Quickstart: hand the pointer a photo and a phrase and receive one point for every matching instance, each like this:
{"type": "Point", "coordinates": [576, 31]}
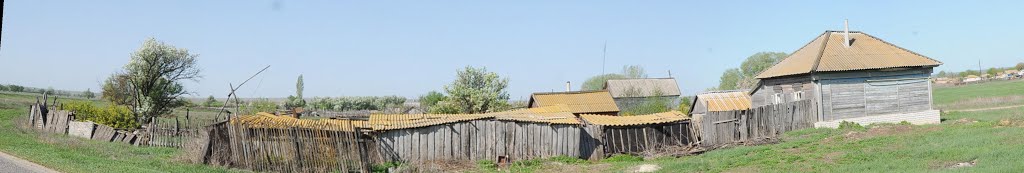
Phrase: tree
{"type": "Point", "coordinates": [729, 79]}
{"type": "Point", "coordinates": [50, 90]}
{"type": "Point", "coordinates": [597, 82]}
{"type": "Point", "coordinates": [1019, 66]}
{"type": "Point", "coordinates": [4, 88]}
{"type": "Point", "coordinates": [154, 75]}
{"type": "Point", "coordinates": [430, 99]}
{"type": "Point", "coordinates": [116, 89]}
{"type": "Point", "coordinates": [88, 94]}
{"type": "Point", "coordinates": [684, 104]}
{"type": "Point", "coordinates": [211, 102]}
{"type": "Point", "coordinates": [628, 72]}
{"type": "Point", "coordinates": [296, 101]}
{"type": "Point", "coordinates": [475, 90]}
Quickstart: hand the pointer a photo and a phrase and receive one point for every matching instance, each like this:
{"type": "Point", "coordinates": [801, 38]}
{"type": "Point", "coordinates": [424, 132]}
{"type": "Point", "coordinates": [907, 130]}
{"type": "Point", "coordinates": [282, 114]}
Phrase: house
{"type": "Point", "coordinates": [971, 78]}
{"type": "Point", "coordinates": [852, 76]}
{"type": "Point", "coordinates": [577, 102]}
{"type": "Point", "coordinates": [629, 92]}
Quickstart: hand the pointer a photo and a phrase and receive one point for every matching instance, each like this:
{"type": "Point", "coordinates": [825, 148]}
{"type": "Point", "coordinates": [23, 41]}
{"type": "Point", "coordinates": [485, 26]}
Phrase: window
{"type": "Point", "coordinates": [799, 95]}
{"type": "Point", "coordinates": [777, 98]}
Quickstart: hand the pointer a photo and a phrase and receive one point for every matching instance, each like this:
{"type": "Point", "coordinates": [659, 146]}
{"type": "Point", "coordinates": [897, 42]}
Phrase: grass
{"type": "Point", "coordinates": [70, 154]}
{"type": "Point", "coordinates": [989, 94]}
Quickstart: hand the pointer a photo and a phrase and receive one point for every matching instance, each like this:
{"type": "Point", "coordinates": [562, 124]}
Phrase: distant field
{"type": "Point", "coordinates": [991, 94]}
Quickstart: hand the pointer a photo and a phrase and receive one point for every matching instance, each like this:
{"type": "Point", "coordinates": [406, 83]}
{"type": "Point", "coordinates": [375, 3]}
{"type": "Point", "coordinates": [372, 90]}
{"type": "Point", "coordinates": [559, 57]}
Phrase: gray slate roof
{"type": "Point", "coordinates": [646, 87]}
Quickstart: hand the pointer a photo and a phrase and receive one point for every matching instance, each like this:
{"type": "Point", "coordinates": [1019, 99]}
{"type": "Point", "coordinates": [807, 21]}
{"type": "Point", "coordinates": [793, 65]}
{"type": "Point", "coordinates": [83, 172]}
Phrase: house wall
{"type": "Point", "coordinates": [875, 92]}
{"type": "Point", "coordinates": [785, 87]}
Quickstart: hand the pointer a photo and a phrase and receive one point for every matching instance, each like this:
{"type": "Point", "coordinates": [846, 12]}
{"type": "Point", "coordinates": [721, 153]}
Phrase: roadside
{"type": "Point", "coordinates": [11, 164]}
{"type": "Point", "coordinates": [986, 109]}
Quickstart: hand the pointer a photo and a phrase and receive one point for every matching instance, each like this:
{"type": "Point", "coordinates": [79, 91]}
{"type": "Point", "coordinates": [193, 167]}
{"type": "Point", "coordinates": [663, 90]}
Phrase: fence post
{"type": "Point", "coordinates": [298, 155]}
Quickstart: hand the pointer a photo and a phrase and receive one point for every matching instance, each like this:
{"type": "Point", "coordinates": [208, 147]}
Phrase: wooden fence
{"type": "Point", "coordinates": [645, 139]}
{"type": "Point", "coordinates": [267, 143]}
{"type": "Point", "coordinates": [484, 139]}
{"type": "Point", "coordinates": [176, 132]}
{"type": "Point", "coordinates": [724, 127]}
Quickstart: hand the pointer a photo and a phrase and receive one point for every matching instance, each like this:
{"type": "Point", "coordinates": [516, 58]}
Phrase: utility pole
{"type": "Point", "coordinates": [604, 56]}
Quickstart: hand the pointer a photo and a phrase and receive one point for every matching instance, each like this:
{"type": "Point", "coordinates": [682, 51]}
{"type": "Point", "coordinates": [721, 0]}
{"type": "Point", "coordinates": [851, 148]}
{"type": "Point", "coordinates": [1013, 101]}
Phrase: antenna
{"type": "Point", "coordinates": [604, 56]}
{"type": "Point", "coordinates": [846, 31]}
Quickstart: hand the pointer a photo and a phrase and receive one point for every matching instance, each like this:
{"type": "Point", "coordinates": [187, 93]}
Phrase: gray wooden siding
{"type": "Point", "coordinates": [482, 140]}
{"type": "Point", "coordinates": [785, 86]}
{"type": "Point", "coordinates": [874, 93]}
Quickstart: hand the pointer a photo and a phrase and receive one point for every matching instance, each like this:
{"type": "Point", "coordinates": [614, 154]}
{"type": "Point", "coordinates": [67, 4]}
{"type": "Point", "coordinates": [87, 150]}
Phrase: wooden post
{"type": "Point", "coordinates": [298, 154]}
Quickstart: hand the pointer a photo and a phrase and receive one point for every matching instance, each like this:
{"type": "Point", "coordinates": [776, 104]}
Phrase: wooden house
{"type": "Point", "coordinates": [630, 92]}
{"type": "Point", "coordinates": [577, 102]}
{"type": "Point", "coordinates": [852, 76]}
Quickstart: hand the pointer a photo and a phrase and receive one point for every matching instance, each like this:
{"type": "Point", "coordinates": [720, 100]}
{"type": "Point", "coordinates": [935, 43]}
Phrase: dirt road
{"type": "Point", "coordinates": [11, 164]}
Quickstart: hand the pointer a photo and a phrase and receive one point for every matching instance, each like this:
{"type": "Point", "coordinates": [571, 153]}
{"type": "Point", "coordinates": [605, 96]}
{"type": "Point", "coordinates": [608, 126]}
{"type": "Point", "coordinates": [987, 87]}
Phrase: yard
{"type": "Point", "coordinates": [975, 141]}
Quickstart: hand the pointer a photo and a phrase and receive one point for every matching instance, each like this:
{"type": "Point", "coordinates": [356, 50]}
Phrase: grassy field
{"type": "Point", "coordinates": [991, 139]}
{"type": "Point", "coordinates": [70, 154]}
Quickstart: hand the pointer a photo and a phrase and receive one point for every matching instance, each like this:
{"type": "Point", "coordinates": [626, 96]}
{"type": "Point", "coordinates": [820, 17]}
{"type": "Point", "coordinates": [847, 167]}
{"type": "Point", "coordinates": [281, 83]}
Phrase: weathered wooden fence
{"type": "Point", "coordinates": [176, 132]}
{"type": "Point", "coordinates": [724, 127]}
{"type": "Point", "coordinates": [268, 143]}
{"type": "Point", "coordinates": [647, 138]}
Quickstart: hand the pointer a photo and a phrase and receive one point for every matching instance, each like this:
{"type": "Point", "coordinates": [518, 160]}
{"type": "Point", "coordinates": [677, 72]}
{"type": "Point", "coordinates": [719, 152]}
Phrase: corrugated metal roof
{"type": "Point", "coordinates": [403, 121]}
{"type": "Point", "coordinates": [725, 101]}
{"type": "Point", "coordinates": [646, 87]}
{"type": "Point", "coordinates": [550, 114]}
{"type": "Point", "coordinates": [656, 118]}
{"type": "Point", "coordinates": [266, 120]}
{"type": "Point", "coordinates": [577, 101]}
{"type": "Point", "coordinates": [828, 52]}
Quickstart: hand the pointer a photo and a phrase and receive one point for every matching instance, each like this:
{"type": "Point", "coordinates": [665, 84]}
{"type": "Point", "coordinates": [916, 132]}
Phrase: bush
{"type": "Point", "coordinates": [567, 160]}
{"type": "Point", "coordinates": [846, 125]}
{"type": "Point", "coordinates": [259, 105]}
{"type": "Point", "coordinates": [113, 115]}
{"type": "Point", "coordinates": [383, 167]}
{"type": "Point", "coordinates": [624, 158]}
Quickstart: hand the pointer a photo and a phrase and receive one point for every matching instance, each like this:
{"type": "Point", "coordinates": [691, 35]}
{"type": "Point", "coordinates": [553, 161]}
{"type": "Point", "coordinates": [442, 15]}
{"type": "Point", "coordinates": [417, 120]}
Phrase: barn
{"type": "Point", "coordinates": [629, 92]}
{"type": "Point", "coordinates": [577, 102]}
{"type": "Point", "coordinates": [852, 76]}
{"type": "Point", "coordinates": [640, 134]}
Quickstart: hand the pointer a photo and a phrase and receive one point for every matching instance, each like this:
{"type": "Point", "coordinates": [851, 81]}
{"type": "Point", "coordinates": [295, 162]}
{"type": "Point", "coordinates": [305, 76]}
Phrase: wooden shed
{"type": "Point", "coordinates": [577, 102]}
{"type": "Point", "coordinates": [542, 133]}
{"type": "Point", "coordinates": [426, 137]}
{"type": "Point", "coordinates": [630, 92]}
{"type": "Point", "coordinates": [852, 76]}
{"type": "Point", "coordinates": [640, 134]}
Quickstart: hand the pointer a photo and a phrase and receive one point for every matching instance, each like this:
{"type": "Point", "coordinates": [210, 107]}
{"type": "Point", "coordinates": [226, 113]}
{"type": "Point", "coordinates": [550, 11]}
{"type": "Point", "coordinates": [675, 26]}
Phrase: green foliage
{"type": "Point", "coordinates": [567, 160]}
{"type": "Point", "coordinates": [1019, 66]}
{"type": "Point", "coordinates": [259, 105]}
{"type": "Point", "coordinates": [475, 90]}
{"type": "Point", "coordinates": [88, 94]}
{"type": "Point", "coordinates": [430, 99]}
{"type": "Point", "coordinates": [151, 81]}
{"type": "Point", "coordinates": [4, 88]}
{"type": "Point", "coordinates": [623, 158]}
{"type": "Point", "coordinates": [597, 82]}
{"type": "Point", "coordinates": [846, 125]}
{"type": "Point", "coordinates": [383, 167]}
{"type": "Point", "coordinates": [628, 72]}
{"type": "Point", "coordinates": [116, 89]}
{"type": "Point", "coordinates": [744, 77]}
{"type": "Point", "coordinates": [296, 101]}
{"type": "Point", "coordinates": [212, 102]}
{"type": "Point", "coordinates": [905, 123]}
{"type": "Point", "coordinates": [15, 88]}
{"type": "Point", "coordinates": [684, 104]}
{"type": "Point", "coordinates": [357, 103]}
{"type": "Point", "coordinates": [113, 115]}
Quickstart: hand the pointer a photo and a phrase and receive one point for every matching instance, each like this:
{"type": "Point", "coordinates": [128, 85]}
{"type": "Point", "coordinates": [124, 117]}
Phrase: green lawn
{"type": "Point", "coordinates": [990, 94]}
{"type": "Point", "coordinates": [70, 154]}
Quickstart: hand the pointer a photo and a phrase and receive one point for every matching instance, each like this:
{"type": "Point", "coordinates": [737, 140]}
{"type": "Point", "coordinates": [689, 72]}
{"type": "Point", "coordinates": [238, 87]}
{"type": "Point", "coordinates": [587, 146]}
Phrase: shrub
{"type": "Point", "coordinates": [383, 167]}
{"type": "Point", "coordinates": [113, 115]}
{"type": "Point", "coordinates": [904, 123]}
{"type": "Point", "coordinates": [567, 160]}
{"type": "Point", "coordinates": [846, 125]}
{"type": "Point", "coordinates": [259, 105]}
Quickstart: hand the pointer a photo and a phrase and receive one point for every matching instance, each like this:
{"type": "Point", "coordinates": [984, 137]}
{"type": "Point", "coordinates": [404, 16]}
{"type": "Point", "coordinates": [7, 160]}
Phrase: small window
{"type": "Point", "coordinates": [777, 99]}
{"type": "Point", "coordinates": [799, 95]}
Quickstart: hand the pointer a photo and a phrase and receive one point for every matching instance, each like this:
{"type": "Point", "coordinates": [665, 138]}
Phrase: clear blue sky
{"type": "Point", "coordinates": [408, 48]}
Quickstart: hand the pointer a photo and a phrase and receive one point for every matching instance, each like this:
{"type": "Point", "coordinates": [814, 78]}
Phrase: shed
{"type": "Point", "coordinates": [713, 101]}
{"type": "Point", "coordinates": [852, 76]}
{"type": "Point", "coordinates": [640, 134]}
{"type": "Point", "coordinates": [419, 138]}
{"type": "Point", "coordinates": [542, 133]}
{"type": "Point", "coordinates": [577, 102]}
{"type": "Point", "coordinates": [629, 92]}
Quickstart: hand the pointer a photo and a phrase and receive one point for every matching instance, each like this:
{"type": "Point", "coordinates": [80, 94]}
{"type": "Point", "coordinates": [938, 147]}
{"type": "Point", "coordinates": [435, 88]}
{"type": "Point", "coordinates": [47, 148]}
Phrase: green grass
{"type": "Point", "coordinates": [990, 94]}
{"type": "Point", "coordinates": [71, 154]}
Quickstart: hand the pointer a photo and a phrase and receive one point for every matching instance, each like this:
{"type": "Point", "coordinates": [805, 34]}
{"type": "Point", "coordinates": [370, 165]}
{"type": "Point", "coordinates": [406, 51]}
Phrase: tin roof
{"type": "Point", "coordinates": [550, 114]}
{"type": "Point", "coordinates": [656, 118]}
{"type": "Point", "coordinates": [403, 121]}
{"type": "Point", "coordinates": [644, 87]}
{"type": "Point", "coordinates": [828, 52]}
{"type": "Point", "coordinates": [576, 101]}
{"type": "Point", "coordinates": [724, 101]}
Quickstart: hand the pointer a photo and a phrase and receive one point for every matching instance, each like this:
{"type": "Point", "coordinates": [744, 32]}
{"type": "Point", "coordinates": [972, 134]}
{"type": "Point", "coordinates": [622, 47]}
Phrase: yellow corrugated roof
{"type": "Point", "coordinates": [828, 52]}
{"type": "Point", "coordinates": [549, 114]}
{"type": "Point", "coordinates": [266, 120]}
{"type": "Point", "coordinates": [402, 121]}
{"type": "Point", "coordinates": [576, 102]}
{"type": "Point", "coordinates": [725, 101]}
{"type": "Point", "coordinates": [656, 118]}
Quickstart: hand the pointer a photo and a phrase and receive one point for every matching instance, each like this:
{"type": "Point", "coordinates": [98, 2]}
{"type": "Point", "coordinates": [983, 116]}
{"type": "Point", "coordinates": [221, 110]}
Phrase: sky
{"type": "Point", "coordinates": [408, 48]}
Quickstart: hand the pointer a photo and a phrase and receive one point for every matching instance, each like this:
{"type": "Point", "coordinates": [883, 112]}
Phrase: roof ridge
{"type": "Point", "coordinates": [821, 51]}
{"type": "Point", "coordinates": [643, 78]}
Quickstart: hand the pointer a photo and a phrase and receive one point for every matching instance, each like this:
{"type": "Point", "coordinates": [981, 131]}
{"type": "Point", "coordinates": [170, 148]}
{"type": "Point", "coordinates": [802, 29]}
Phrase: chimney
{"type": "Point", "coordinates": [568, 87]}
{"type": "Point", "coordinates": [846, 32]}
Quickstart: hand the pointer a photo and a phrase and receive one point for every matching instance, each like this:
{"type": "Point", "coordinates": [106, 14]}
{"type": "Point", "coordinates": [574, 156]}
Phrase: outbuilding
{"type": "Point", "coordinates": [631, 92]}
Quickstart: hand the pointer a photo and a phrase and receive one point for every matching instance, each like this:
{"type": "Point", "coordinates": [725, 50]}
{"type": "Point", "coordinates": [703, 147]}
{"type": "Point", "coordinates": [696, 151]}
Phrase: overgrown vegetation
{"type": "Point", "coordinates": [744, 76]}
{"type": "Point", "coordinates": [151, 83]}
{"type": "Point", "coordinates": [628, 72]}
{"type": "Point", "coordinates": [259, 105]}
{"type": "Point", "coordinates": [475, 90]}
{"type": "Point", "coordinates": [357, 103]}
{"type": "Point", "coordinates": [295, 101]}
{"type": "Point", "coordinates": [115, 116]}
